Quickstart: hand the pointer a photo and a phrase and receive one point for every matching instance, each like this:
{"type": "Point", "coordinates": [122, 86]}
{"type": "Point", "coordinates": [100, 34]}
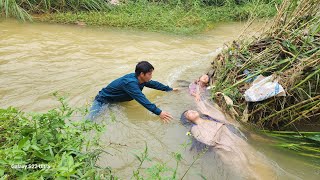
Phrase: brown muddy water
{"type": "Point", "coordinates": [39, 59]}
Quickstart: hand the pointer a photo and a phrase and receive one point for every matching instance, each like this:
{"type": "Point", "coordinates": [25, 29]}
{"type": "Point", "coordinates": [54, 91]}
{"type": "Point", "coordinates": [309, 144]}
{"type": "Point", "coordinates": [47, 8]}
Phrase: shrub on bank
{"type": "Point", "coordinates": [49, 146]}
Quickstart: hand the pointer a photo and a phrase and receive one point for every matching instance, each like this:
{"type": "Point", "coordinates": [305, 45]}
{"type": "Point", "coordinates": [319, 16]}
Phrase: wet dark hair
{"type": "Point", "coordinates": [200, 146]}
{"type": "Point", "coordinates": [197, 145]}
{"type": "Point", "coordinates": [184, 121]}
{"type": "Point", "coordinates": [209, 79]}
{"type": "Point", "coordinates": [143, 67]}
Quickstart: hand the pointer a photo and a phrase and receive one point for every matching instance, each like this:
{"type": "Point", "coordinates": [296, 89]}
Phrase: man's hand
{"type": "Point", "coordinates": [166, 117]}
{"type": "Point", "coordinates": [175, 89]}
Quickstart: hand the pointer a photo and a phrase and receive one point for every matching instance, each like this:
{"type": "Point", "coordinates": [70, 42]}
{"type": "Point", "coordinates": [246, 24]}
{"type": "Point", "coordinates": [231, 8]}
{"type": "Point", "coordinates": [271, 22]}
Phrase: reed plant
{"type": "Point", "coordinates": [304, 143]}
{"type": "Point", "coordinates": [289, 50]}
{"type": "Point", "coordinates": [22, 9]}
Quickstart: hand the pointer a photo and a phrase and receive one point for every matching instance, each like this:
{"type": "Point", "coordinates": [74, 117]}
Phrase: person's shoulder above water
{"type": "Point", "coordinates": [131, 77]}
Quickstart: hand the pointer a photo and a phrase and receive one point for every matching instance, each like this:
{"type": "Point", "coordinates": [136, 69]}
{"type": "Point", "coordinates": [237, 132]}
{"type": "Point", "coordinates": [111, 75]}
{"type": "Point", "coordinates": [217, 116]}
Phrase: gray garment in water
{"type": "Point", "coordinates": [200, 146]}
{"type": "Point", "coordinates": [231, 127]}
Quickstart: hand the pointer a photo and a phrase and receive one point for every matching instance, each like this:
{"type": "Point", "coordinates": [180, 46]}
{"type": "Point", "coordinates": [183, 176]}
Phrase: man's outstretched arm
{"type": "Point", "coordinates": [157, 85]}
{"type": "Point", "coordinates": [134, 91]}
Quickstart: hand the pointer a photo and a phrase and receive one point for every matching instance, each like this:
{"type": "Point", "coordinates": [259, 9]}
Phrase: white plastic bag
{"type": "Point", "coordinates": [263, 88]}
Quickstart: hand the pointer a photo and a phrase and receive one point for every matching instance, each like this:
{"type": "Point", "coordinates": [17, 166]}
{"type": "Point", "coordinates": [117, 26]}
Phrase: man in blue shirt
{"type": "Point", "coordinates": [129, 87]}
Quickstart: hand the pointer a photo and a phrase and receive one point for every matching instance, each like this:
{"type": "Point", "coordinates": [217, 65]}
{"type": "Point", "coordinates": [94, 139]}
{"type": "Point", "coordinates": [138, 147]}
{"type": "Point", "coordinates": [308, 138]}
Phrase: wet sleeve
{"type": "Point", "coordinates": [192, 88]}
{"type": "Point", "coordinates": [133, 90]}
{"type": "Point", "coordinates": [157, 85]}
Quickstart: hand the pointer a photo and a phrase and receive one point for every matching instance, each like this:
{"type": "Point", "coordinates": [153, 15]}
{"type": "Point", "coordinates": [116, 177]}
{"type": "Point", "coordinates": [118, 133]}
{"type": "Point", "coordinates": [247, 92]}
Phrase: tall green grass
{"type": "Point", "coordinates": [22, 9]}
{"type": "Point", "coordinates": [304, 143]}
{"type": "Point", "coordinates": [178, 16]}
{"type": "Point", "coordinates": [165, 17]}
{"type": "Point", "coordinates": [11, 8]}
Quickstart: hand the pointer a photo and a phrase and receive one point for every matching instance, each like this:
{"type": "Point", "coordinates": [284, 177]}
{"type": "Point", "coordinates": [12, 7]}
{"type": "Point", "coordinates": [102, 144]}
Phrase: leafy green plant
{"type": "Point", "coordinates": [49, 145]}
{"type": "Point", "coordinates": [141, 158]}
{"type": "Point", "coordinates": [161, 170]}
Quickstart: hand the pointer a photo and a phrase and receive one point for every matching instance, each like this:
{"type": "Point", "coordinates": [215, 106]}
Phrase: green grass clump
{"type": "Point", "coordinates": [164, 17]}
{"type": "Point", "coordinates": [183, 17]}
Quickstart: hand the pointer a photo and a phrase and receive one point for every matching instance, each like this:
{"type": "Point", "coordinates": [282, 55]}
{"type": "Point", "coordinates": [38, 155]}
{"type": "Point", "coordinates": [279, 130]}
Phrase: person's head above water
{"type": "Point", "coordinates": [144, 71]}
{"type": "Point", "coordinates": [204, 80]}
{"type": "Point", "coordinates": [189, 117]}
{"type": "Point", "coordinates": [193, 117]}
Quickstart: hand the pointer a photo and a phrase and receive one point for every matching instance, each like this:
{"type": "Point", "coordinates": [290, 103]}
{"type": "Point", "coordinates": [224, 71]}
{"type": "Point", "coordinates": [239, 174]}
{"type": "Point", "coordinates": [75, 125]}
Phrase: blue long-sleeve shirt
{"type": "Point", "coordinates": [127, 88]}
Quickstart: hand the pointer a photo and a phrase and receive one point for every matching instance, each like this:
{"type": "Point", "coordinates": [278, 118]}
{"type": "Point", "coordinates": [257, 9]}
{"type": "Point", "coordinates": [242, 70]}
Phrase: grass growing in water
{"type": "Point", "coordinates": [306, 144]}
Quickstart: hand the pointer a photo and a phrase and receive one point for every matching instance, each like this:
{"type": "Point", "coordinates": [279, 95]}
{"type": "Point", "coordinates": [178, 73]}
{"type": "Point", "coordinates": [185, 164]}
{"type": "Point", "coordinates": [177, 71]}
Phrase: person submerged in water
{"type": "Point", "coordinates": [199, 86]}
{"type": "Point", "coordinates": [199, 90]}
{"type": "Point", "coordinates": [130, 87]}
{"type": "Point", "coordinates": [228, 143]}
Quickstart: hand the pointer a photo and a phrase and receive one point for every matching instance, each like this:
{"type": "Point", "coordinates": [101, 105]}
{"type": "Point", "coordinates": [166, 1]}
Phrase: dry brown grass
{"type": "Point", "coordinates": [290, 50]}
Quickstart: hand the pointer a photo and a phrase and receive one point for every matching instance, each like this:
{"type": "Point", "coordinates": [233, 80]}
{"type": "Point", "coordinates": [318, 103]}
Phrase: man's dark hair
{"type": "Point", "coordinates": [143, 67]}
